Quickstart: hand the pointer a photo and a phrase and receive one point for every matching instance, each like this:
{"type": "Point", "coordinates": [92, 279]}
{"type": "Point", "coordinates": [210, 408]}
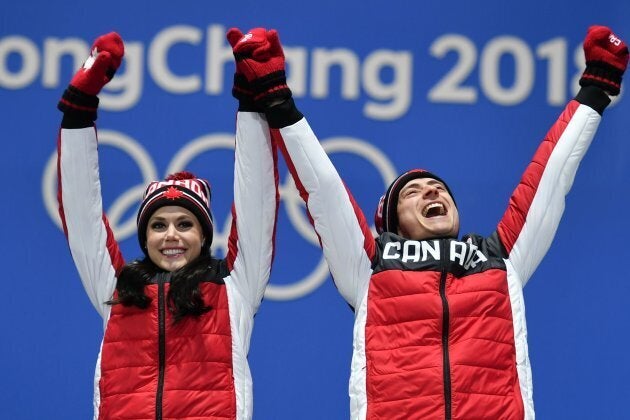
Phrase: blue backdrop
{"type": "Point", "coordinates": [465, 89]}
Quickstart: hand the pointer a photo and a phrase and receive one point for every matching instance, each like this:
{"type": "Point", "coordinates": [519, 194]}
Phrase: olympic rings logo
{"type": "Point", "coordinates": [289, 195]}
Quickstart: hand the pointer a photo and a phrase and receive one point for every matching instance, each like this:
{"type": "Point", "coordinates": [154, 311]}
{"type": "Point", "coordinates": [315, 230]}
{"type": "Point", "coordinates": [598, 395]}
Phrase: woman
{"type": "Point", "coordinates": [177, 322]}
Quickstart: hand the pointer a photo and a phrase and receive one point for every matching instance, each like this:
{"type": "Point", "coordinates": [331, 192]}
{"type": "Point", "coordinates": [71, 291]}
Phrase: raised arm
{"type": "Point", "coordinates": [256, 198]}
{"type": "Point", "coordinates": [345, 237]}
{"type": "Point", "coordinates": [92, 244]}
{"type": "Point", "coordinates": [536, 206]}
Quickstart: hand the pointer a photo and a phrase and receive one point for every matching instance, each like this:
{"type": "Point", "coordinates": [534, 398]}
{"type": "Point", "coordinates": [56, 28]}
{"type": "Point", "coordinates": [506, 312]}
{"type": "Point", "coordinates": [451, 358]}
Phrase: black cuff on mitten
{"type": "Point", "coordinates": [283, 115]}
{"type": "Point", "coordinates": [594, 97]}
{"type": "Point", "coordinates": [603, 75]}
{"type": "Point", "coordinates": [242, 91]}
{"type": "Point", "coordinates": [271, 88]}
{"type": "Point", "coordinates": [78, 105]}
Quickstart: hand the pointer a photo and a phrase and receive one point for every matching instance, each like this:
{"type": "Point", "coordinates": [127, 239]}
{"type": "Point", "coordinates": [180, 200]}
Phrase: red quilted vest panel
{"type": "Point", "coordinates": [198, 379]}
{"type": "Point", "coordinates": [404, 337]}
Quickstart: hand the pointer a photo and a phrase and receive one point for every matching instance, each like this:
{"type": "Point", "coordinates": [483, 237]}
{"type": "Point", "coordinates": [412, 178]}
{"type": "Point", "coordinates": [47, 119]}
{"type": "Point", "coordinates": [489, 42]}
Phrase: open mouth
{"type": "Point", "coordinates": [172, 251]}
{"type": "Point", "coordinates": [434, 210]}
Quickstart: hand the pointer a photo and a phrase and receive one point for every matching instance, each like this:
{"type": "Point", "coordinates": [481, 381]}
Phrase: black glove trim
{"type": "Point", "coordinates": [278, 93]}
{"type": "Point", "coordinates": [614, 71]}
{"type": "Point", "coordinates": [594, 97]}
{"type": "Point", "coordinates": [283, 115]}
{"type": "Point", "coordinates": [269, 82]}
{"type": "Point", "coordinates": [81, 104]}
{"type": "Point", "coordinates": [270, 88]}
{"type": "Point", "coordinates": [603, 75]}
{"type": "Point", "coordinates": [243, 92]}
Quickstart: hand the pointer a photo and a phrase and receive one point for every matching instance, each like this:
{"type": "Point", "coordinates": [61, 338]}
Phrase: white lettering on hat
{"type": "Point", "coordinates": [190, 184]}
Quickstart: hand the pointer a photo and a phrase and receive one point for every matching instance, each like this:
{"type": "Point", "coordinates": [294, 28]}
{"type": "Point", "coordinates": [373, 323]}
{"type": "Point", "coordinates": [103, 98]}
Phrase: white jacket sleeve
{"type": "Point", "coordinates": [94, 249]}
{"type": "Point", "coordinates": [346, 239]}
{"type": "Point", "coordinates": [537, 204]}
{"type": "Point", "coordinates": [251, 240]}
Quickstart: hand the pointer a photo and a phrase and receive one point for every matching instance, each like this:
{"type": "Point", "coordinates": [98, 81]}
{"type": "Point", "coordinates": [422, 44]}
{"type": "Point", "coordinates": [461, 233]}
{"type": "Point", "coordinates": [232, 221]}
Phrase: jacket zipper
{"type": "Point", "coordinates": [445, 332]}
{"type": "Point", "coordinates": [161, 279]}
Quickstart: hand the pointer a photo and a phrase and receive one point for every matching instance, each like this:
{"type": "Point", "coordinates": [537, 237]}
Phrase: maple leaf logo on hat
{"type": "Point", "coordinates": [173, 193]}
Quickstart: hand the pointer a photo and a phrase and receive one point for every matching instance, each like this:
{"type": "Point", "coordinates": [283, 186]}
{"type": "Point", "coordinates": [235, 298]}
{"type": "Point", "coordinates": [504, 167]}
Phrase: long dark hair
{"type": "Point", "coordinates": [184, 295]}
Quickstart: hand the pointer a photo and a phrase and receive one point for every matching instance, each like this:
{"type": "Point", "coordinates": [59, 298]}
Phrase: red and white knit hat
{"type": "Point", "coordinates": [180, 189]}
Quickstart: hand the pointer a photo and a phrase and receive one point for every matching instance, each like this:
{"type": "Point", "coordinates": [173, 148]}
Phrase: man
{"type": "Point", "coordinates": [440, 326]}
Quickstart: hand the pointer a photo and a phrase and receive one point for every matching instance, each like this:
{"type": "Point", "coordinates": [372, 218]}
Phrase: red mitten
{"type": "Point", "coordinates": [244, 45]}
{"type": "Point", "coordinates": [606, 59]}
{"type": "Point", "coordinates": [105, 58]}
{"type": "Point", "coordinates": [260, 59]}
{"type": "Point", "coordinates": [241, 88]}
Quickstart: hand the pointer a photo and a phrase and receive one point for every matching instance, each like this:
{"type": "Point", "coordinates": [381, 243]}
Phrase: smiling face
{"type": "Point", "coordinates": [426, 210]}
{"type": "Point", "coordinates": [174, 237]}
